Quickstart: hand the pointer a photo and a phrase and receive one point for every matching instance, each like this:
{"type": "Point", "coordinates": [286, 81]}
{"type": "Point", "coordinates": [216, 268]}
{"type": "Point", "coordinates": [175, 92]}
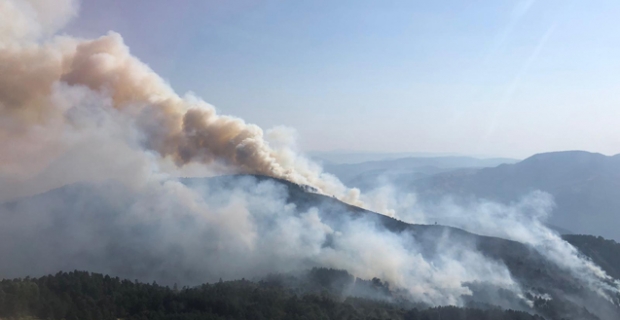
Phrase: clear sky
{"type": "Point", "coordinates": [502, 78]}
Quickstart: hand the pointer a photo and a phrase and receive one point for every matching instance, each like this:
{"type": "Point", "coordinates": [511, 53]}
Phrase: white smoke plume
{"type": "Point", "coordinates": [522, 221]}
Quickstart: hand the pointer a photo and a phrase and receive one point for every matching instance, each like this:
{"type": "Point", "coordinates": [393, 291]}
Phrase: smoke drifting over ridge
{"type": "Point", "coordinates": [74, 110]}
{"type": "Point", "coordinates": [38, 70]}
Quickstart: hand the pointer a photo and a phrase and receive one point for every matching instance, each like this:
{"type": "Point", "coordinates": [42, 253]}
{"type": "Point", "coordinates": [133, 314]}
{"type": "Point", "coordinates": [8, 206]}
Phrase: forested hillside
{"type": "Point", "coordinates": [85, 296]}
{"type": "Point", "coordinates": [603, 252]}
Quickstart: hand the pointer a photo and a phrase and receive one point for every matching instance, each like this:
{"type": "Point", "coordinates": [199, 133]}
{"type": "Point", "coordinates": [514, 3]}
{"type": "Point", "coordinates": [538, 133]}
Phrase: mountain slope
{"type": "Point", "coordinates": [605, 253]}
{"type": "Point", "coordinates": [120, 246]}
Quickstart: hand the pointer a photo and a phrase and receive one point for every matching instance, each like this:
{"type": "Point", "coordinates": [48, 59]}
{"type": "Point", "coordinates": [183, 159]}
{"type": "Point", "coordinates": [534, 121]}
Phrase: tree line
{"type": "Point", "coordinates": [85, 296]}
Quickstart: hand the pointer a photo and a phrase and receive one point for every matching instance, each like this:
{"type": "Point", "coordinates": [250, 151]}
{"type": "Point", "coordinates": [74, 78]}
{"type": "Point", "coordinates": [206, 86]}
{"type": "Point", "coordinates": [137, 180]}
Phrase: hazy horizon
{"type": "Point", "coordinates": [434, 154]}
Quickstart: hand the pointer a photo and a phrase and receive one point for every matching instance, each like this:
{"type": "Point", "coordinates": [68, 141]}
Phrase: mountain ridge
{"type": "Point", "coordinates": [70, 205]}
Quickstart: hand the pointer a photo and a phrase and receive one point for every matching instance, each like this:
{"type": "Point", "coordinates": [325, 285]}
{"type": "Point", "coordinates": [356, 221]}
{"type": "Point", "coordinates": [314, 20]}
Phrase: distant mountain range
{"type": "Point", "coordinates": [366, 175]}
{"type": "Point", "coordinates": [585, 187]}
{"type": "Point", "coordinates": [352, 157]}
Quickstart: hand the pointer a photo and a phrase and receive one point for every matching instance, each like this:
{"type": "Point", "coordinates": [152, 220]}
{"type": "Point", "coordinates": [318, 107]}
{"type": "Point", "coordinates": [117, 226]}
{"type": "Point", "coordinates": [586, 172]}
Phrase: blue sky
{"type": "Point", "coordinates": [503, 78]}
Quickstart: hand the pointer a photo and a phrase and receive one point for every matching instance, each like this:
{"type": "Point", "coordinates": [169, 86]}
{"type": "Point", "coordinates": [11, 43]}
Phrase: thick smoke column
{"type": "Point", "coordinates": [187, 129]}
{"type": "Point", "coordinates": [183, 129]}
